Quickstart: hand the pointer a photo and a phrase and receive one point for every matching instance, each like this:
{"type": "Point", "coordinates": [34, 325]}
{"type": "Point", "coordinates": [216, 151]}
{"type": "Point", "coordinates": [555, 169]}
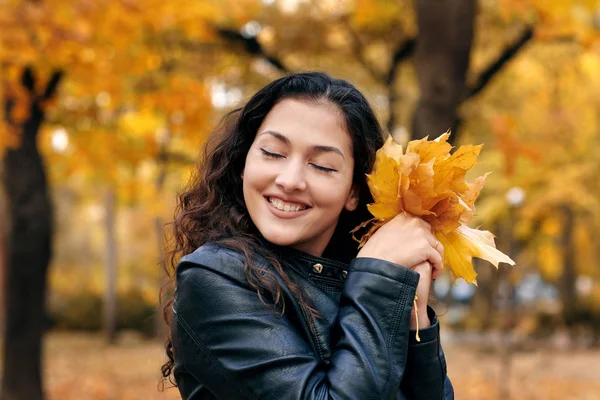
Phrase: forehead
{"type": "Point", "coordinates": [319, 123]}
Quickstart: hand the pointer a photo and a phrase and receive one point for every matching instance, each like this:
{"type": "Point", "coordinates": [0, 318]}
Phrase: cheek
{"type": "Point", "coordinates": [256, 175]}
{"type": "Point", "coordinates": [331, 195]}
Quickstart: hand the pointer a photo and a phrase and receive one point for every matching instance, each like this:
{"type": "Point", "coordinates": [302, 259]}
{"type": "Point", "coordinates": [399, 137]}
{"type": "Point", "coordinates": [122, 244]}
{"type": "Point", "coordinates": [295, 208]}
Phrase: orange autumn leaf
{"type": "Point", "coordinates": [428, 182]}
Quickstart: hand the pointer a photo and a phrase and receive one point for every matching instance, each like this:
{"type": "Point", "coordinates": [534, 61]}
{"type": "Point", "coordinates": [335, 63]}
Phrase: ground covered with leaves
{"type": "Point", "coordinates": [82, 367]}
{"type": "Point", "coordinates": [543, 374]}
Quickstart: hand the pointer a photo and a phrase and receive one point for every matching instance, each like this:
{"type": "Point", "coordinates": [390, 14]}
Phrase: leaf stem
{"type": "Point", "coordinates": [417, 316]}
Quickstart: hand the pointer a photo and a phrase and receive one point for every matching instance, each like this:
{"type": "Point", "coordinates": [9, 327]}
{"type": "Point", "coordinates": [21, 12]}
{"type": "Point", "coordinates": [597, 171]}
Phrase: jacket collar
{"type": "Point", "coordinates": [310, 265]}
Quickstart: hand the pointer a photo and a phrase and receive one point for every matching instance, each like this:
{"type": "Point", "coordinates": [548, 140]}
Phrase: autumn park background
{"type": "Point", "coordinates": [106, 102]}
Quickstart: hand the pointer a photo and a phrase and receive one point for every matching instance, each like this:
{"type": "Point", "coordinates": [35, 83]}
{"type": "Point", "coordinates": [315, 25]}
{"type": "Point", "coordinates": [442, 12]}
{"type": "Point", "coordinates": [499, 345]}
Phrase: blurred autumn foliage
{"type": "Point", "coordinates": [110, 101]}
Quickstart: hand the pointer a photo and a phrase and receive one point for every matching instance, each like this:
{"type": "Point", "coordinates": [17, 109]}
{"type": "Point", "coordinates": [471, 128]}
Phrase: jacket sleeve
{"type": "Point", "coordinates": [426, 376]}
{"type": "Point", "coordinates": [234, 347]}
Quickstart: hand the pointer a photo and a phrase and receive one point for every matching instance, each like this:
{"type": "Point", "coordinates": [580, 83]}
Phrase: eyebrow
{"type": "Point", "coordinates": [318, 148]}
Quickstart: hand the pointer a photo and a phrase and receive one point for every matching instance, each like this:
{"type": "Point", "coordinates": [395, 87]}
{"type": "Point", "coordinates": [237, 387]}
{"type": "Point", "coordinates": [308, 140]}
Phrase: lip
{"type": "Point", "coordinates": [284, 214]}
{"type": "Point", "coordinates": [287, 199]}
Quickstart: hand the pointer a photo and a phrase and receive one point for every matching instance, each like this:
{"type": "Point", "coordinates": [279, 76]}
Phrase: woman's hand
{"type": "Point", "coordinates": [408, 241]}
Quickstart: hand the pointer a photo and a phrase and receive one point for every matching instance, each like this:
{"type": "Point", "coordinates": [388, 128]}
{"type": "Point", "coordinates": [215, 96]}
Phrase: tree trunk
{"type": "Point", "coordinates": [4, 226]}
{"type": "Point", "coordinates": [568, 294]}
{"type": "Point", "coordinates": [160, 327]}
{"type": "Point", "coordinates": [29, 250]}
{"type": "Point", "coordinates": [442, 61]}
{"type": "Point", "coordinates": [509, 306]}
{"type": "Point", "coordinates": [484, 301]}
{"type": "Point", "coordinates": [159, 322]}
{"type": "Point", "coordinates": [110, 290]}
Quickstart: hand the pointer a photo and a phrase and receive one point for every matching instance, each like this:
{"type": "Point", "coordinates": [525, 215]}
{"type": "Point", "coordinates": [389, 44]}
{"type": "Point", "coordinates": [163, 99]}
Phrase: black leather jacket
{"type": "Point", "coordinates": [228, 345]}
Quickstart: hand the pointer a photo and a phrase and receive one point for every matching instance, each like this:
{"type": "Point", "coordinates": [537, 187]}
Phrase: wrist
{"type": "Point", "coordinates": [423, 318]}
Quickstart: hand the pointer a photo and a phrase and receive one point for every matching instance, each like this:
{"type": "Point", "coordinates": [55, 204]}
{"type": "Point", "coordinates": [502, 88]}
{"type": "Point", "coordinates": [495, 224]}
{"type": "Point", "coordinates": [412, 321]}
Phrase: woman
{"type": "Point", "coordinates": [274, 300]}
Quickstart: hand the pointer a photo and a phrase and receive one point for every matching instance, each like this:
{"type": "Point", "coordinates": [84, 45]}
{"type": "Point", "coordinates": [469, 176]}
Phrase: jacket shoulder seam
{"type": "Point", "coordinates": [211, 250]}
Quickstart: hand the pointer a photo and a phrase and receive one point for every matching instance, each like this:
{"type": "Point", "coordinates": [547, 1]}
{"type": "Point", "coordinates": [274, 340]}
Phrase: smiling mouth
{"type": "Point", "coordinates": [285, 206]}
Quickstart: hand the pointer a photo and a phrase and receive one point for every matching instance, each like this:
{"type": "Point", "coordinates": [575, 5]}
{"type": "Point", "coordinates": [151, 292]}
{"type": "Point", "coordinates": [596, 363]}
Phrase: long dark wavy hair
{"type": "Point", "coordinates": [211, 208]}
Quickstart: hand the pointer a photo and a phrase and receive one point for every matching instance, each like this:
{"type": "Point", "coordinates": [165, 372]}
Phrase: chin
{"type": "Point", "coordinates": [279, 239]}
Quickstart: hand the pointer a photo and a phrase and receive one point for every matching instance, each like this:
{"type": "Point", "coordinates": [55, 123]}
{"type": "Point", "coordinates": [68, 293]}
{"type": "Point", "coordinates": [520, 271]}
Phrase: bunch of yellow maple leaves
{"type": "Point", "coordinates": [428, 182]}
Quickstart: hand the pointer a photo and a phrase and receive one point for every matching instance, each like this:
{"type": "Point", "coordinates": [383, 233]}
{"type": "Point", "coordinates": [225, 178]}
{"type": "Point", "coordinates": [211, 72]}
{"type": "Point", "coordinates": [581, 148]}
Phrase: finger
{"type": "Point", "coordinates": [435, 274]}
{"type": "Point", "coordinates": [427, 266]}
{"type": "Point", "coordinates": [423, 268]}
{"type": "Point", "coordinates": [437, 262]}
{"type": "Point", "coordinates": [422, 264]}
{"type": "Point", "coordinates": [436, 245]}
{"type": "Point", "coordinates": [440, 249]}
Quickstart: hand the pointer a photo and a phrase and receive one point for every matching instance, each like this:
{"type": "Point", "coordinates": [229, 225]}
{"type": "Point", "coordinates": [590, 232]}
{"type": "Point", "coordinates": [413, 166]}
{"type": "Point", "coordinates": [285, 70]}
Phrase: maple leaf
{"type": "Point", "coordinates": [428, 182]}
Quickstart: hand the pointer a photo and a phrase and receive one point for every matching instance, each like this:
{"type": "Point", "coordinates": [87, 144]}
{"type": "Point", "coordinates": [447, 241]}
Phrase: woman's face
{"type": "Point", "coordinates": [298, 174]}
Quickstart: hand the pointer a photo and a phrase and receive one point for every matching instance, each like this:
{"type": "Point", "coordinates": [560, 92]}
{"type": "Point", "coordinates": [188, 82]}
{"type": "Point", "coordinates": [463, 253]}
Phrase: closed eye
{"type": "Point", "coordinates": [268, 154]}
{"type": "Point", "coordinates": [324, 169]}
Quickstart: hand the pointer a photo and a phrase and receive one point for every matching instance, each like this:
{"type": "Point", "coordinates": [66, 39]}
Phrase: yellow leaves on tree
{"type": "Point", "coordinates": [429, 182]}
{"type": "Point", "coordinates": [377, 14]}
{"type": "Point", "coordinates": [556, 19]}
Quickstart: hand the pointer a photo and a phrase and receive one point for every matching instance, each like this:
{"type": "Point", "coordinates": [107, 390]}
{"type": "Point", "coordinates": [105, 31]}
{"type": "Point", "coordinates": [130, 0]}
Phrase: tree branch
{"type": "Point", "coordinates": [28, 79]}
{"type": "Point", "coordinates": [252, 46]}
{"type": "Point", "coordinates": [403, 51]}
{"type": "Point", "coordinates": [509, 53]}
{"type": "Point", "coordinates": [9, 104]}
{"type": "Point", "coordinates": [52, 84]}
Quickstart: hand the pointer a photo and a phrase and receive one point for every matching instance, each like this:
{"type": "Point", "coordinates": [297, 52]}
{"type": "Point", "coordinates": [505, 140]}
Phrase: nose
{"type": "Point", "coordinates": [291, 177]}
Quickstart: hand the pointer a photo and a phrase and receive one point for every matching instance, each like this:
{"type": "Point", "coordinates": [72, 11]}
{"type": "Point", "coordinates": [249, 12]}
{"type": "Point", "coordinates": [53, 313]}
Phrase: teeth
{"type": "Point", "coordinates": [287, 207]}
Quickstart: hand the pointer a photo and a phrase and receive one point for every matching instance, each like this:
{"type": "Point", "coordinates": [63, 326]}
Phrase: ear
{"type": "Point", "coordinates": [352, 201]}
